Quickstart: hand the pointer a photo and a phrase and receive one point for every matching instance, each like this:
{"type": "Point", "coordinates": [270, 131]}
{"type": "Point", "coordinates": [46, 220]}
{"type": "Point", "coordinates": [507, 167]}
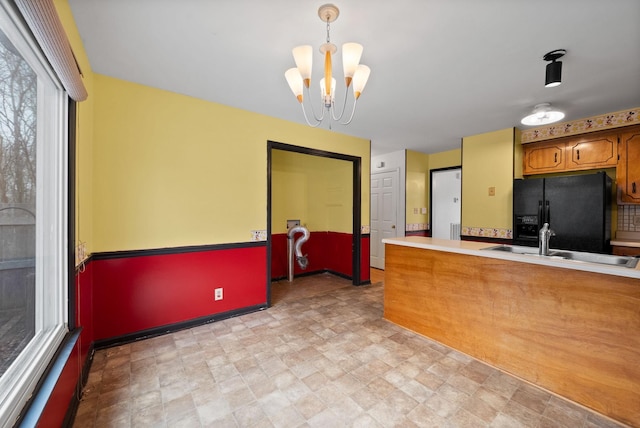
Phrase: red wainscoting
{"type": "Point", "coordinates": [56, 407]}
{"type": "Point", "coordinates": [125, 295]}
{"type": "Point", "coordinates": [325, 250]}
{"type": "Point", "coordinates": [64, 390]}
{"type": "Point", "coordinates": [84, 308]}
{"type": "Point", "coordinates": [417, 233]}
{"type": "Point", "coordinates": [133, 294]}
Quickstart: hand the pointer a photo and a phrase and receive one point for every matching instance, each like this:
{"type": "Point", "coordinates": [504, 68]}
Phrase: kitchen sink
{"type": "Point", "coordinates": [515, 249]}
{"type": "Point", "coordinates": [604, 259]}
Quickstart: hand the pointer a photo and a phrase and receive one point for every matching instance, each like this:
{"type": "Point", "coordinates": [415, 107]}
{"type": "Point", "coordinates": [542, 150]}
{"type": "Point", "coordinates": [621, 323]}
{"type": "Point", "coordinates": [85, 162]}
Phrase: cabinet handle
{"type": "Point", "coordinates": [578, 154]}
{"type": "Point", "coordinates": [555, 157]}
{"type": "Point", "coordinates": [633, 187]}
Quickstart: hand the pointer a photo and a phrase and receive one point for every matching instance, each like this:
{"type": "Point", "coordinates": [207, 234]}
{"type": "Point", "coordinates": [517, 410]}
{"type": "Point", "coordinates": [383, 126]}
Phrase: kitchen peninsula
{"type": "Point", "coordinates": [569, 327]}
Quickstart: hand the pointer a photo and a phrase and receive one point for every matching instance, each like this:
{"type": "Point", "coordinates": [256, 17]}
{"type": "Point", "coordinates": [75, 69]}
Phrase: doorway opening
{"type": "Point", "coordinates": [445, 202]}
{"type": "Point", "coordinates": [333, 200]}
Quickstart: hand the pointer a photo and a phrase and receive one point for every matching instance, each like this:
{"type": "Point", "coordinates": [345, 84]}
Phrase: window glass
{"type": "Point", "coordinates": [18, 117]}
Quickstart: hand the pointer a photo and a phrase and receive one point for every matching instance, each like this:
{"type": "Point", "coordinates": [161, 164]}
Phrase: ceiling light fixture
{"type": "Point", "coordinates": [354, 73]}
{"type": "Point", "coordinates": [553, 75]}
{"type": "Point", "coordinates": [542, 114]}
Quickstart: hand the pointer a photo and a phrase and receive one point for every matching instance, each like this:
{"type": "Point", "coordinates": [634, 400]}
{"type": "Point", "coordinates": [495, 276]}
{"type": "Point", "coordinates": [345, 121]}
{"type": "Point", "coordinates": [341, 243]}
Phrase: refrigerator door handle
{"type": "Point", "coordinates": [540, 219]}
{"type": "Point", "coordinates": [547, 213]}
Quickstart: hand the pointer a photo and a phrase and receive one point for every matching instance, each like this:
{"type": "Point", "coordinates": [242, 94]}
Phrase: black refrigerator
{"type": "Point", "coordinates": [577, 208]}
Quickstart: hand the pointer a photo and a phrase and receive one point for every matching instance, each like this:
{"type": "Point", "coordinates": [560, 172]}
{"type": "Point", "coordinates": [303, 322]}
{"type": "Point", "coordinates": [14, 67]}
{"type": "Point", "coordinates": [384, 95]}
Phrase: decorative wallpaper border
{"type": "Point", "coordinates": [487, 232]}
{"type": "Point", "coordinates": [365, 229]}
{"type": "Point", "coordinates": [581, 126]}
{"type": "Point", "coordinates": [258, 235]}
{"type": "Point", "coordinates": [412, 227]}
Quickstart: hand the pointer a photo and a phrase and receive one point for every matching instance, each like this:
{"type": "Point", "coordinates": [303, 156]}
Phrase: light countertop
{"type": "Point", "coordinates": [474, 249]}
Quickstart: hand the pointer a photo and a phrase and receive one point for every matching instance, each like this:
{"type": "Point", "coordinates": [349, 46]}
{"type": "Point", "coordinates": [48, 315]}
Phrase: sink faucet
{"type": "Point", "coordinates": [543, 243]}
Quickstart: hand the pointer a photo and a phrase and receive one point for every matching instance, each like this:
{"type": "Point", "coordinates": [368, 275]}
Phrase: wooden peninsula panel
{"type": "Point", "coordinates": [574, 333]}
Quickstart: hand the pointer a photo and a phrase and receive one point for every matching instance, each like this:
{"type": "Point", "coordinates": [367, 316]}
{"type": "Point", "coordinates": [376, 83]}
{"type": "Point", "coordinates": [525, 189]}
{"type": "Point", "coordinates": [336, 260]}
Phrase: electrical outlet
{"type": "Point", "coordinates": [217, 295]}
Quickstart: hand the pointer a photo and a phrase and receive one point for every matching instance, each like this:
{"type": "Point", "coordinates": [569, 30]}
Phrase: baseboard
{"type": "Point", "coordinates": [171, 328]}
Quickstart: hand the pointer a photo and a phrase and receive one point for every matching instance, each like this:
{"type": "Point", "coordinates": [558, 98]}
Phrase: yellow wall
{"type": "Point", "coordinates": [317, 191]}
{"type": "Point", "coordinates": [487, 161]}
{"type": "Point", "coordinates": [171, 170]}
{"type": "Point", "coordinates": [446, 159]}
{"type": "Point", "coordinates": [157, 169]}
{"type": "Point", "coordinates": [417, 178]}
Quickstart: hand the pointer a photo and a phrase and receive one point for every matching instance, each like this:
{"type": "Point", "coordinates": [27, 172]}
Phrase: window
{"type": "Point", "coordinates": [33, 217]}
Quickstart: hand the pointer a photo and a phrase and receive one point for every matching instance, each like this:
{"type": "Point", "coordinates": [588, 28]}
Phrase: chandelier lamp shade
{"type": "Point", "coordinates": [543, 114]}
{"type": "Point", "coordinates": [553, 75]}
{"type": "Point", "coordinates": [355, 74]}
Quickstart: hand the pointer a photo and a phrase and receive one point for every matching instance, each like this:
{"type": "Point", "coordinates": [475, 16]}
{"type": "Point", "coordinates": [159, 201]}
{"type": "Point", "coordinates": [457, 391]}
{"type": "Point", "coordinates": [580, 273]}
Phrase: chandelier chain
{"type": "Point", "coordinates": [328, 29]}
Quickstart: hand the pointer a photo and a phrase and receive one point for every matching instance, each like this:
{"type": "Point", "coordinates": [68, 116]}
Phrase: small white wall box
{"type": "Point", "coordinates": [292, 223]}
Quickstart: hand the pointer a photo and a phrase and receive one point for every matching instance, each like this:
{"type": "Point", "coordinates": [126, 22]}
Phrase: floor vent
{"type": "Point", "coordinates": [454, 231]}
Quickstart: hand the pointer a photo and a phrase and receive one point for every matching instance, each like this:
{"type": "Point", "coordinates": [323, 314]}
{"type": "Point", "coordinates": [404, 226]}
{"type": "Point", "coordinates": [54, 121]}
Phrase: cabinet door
{"type": "Point", "coordinates": [544, 157]}
{"type": "Point", "coordinates": [595, 151]}
{"type": "Point", "coordinates": [628, 171]}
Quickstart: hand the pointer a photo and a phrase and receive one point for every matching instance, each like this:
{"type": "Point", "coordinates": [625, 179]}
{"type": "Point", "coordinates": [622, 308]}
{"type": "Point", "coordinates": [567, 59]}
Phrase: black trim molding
{"type": "Point", "coordinates": [174, 250]}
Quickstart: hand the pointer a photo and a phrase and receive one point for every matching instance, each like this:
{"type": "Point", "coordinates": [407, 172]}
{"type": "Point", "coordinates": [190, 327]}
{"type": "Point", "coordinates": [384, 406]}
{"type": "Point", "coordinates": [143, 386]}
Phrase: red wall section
{"type": "Point", "coordinates": [56, 408]}
{"type": "Point", "coordinates": [314, 248]}
{"type": "Point", "coordinates": [417, 233]}
{"type": "Point", "coordinates": [57, 405]}
{"type": "Point", "coordinates": [84, 308]}
{"type": "Point", "coordinates": [325, 250]}
{"type": "Point", "coordinates": [133, 294]}
{"type": "Point", "coordinates": [365, 259]}
{"type": "Point", "coordinates": [339, 249]}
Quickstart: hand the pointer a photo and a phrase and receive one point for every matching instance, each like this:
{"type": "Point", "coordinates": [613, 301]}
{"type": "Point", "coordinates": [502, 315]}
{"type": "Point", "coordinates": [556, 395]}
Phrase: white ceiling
{"type": "Point", "coordinates": [441, 69]}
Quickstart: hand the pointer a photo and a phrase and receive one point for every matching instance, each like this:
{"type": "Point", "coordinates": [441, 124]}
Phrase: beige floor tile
{"type": "Point", "coordinates": [321, 356]}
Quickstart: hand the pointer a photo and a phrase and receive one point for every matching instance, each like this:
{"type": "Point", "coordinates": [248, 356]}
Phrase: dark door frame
{"type": "Point", "coordinates": [357, 204]}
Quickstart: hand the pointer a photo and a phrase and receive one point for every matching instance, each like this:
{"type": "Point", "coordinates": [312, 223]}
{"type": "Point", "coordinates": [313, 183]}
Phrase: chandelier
{"type": "Point", "coordinates": [355, 74]}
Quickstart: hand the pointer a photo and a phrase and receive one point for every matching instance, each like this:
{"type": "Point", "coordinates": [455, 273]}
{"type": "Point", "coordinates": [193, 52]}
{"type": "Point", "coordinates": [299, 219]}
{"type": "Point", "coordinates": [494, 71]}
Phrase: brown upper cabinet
{"type": "Point", "coordinates": [628, 170]}
{"type": "Point", "coordinates": [586, 151]}
{"type": "Point", "coordinates": [540, 158]}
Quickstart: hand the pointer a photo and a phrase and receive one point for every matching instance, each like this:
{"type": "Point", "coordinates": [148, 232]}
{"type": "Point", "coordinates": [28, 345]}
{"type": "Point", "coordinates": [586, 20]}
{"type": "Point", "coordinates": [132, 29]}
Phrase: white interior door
{"type": "Point", "coordinates": [384, 201]}
{"type": "Point", "coordinates": [445, 202]}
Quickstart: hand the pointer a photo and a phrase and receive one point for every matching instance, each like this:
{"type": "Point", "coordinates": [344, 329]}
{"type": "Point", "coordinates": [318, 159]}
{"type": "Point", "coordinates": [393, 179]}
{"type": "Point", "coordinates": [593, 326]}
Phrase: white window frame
{"type": "Point", "coordinates": [18, 383]}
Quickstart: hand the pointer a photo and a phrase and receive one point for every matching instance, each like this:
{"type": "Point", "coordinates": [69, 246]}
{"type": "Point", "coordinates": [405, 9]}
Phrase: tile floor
{"type": "Point", "coordinates": [319, 357]}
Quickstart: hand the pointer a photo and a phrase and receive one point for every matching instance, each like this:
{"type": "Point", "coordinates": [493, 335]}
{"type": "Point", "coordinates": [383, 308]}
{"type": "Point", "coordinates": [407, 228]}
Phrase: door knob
{"type": "Point", "coordinates": [393, 226]}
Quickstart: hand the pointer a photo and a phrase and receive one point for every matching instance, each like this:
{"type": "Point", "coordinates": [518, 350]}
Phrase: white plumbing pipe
{"type": "Point", "coordinates": [296, 248]}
